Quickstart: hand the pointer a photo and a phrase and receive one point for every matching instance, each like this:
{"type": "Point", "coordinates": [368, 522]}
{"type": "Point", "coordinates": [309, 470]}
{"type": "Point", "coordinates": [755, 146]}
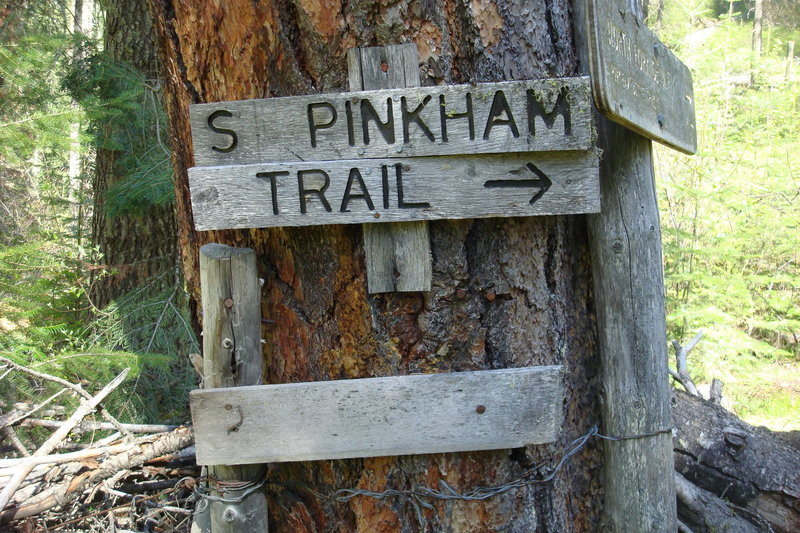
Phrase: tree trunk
{"type": "Point", "coordinates": [758, 22]}
{"type": "Point", "coordinates": [506, 292]}
{"type": "Point", "coordinates": [134, 247]}
{"type": "Point", "coordinates": [755, 472]}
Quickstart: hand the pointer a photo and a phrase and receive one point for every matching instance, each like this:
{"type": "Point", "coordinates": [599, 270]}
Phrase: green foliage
{"type": "Point", "coordinates": [730, 215]}
{"type": "Point", "coordinates": [42, 327]}
{"type": "Point", "coordinates": [55, 87]}
{"type": "Point", "coordinates": [129, 119]}
{"type": "Point", "coordinates": [145, 323]}
{"type": "Point", "coordinates": [40, 299]}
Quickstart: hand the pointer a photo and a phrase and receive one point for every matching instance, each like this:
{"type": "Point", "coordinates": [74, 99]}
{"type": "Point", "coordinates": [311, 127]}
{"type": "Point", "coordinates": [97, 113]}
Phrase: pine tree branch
{"type": "Point", "coordinates": [72, 386]}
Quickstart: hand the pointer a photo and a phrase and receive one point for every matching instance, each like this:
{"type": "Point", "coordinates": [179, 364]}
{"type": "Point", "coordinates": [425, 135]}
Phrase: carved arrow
{"type": "Point", "coordinates": [541, 181]}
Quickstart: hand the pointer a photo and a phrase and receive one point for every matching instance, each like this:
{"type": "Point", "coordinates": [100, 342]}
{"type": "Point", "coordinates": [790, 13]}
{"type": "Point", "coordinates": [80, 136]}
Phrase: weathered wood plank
{"type": "Point", "coordinates": [638, 82]}
{"type": "Point", "coordinates": [252, 196]}
{"type": "Point", "coordinates": [232, 357]}
{"type": "Point", "coordinates": [625, 244]}
{"type": "Point", "coordinates": [397, 256]}
{"type": "Point", "coordinates": [631, 338]}
{"type": "Point", "coordinates": [366, 71]}
{"type": "Point", "coordinates": [231, 316]}
{"type": "Point", "coordinates": [515, 116]}
{"type": "Point", "coordinates": [461, 411]}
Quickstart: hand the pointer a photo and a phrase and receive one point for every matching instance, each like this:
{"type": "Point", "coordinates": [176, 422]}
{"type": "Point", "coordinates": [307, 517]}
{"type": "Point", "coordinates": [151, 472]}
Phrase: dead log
{"type": "Point", "coordinates": [58, 436]}
{"type": "Point", "coordinates": [701, 508]}
{"type": "Point", "coordinates": [755, 471]}
{"type": "Point", "coordinates": [71, 488]}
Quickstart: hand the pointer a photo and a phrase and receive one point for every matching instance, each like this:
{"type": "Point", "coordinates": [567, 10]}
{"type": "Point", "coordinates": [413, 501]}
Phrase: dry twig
{"type": "Point", "coordinates": [59, 435]}
{"type": "Point", "coordinates": [681, 355]}
{"type": "Point", "coordinates": [89, 425]}
{"type": "Point", "coordinates": [70, 489]}
{"type": "Point", "coordinates": [67, 384]}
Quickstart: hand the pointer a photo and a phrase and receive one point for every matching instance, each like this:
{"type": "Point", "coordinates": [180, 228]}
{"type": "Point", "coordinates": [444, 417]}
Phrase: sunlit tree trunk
{"type": "Point", "coordinates": [506, 292]}
{"type": "Point", "coordinates": [75, 164]}
{"type": "Point", "coordinates": [134, 248]}
{"type": "Point", "coordinates": [758, 21]}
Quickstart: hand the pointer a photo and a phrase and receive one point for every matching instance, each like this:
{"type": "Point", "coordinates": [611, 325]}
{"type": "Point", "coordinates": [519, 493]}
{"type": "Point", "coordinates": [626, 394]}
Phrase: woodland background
{"type": "Point", "coordinates": [90, 279]}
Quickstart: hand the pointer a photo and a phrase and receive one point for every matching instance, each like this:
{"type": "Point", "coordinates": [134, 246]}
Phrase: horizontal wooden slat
{"type": "Point", "coordinates": [432, 188]}
{"type": "Point", "coordinates": [519, 116]}
{"type": "Point", "coordinates": [372, 417]}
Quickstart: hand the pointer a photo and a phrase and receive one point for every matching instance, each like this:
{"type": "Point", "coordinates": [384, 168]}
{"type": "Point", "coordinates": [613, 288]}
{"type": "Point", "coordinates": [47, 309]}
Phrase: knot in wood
{"type": "Point", "coordinates": [735, 438]}
{"type": "Point", "coordinates": [230, 515]}
{"type": "Point", "coordinates": [228, 303]}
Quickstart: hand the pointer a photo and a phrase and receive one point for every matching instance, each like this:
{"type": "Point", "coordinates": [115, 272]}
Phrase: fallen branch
{"type": "Point", "coordinates": [681, 355]}
{"type": "Point", "coordinates": [9, 465]}
{"type": "Point", "coordinates": [12, 436]}
{"type": "Point", "coordinates": [89, 425]}
{"type": "Point", "coordinates": [9, 419]}
{"type": "Point", "coordinates": [72, 386]}
{"type": "Point", "coordinates": [72, 488]}
{"type": "Point", "coordinates": [59, 435]}
{"type": "Point", "coordinates": [703, 507]}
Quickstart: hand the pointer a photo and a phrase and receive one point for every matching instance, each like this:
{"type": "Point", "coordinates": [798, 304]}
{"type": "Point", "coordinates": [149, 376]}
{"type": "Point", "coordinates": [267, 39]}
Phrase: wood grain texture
{"type": "Point", "coordinates": [631, 325]}
{"type": "Point", "coordinates": [232, 357]}
{"type": "Point", "coordinates": [625, 242]}
{"type": "Point", "coordinates": [231, 316]}
{"type": "Point", "coordinates": [397, 256]}
{"type": "Point", "coordinates": [403, 415]}
{"type": "Point", "coordinates": [638, 81]}
{"type": "Point", "coordinates": [432, 189]}
{"type": "Point", "coordinates": [505, 292]}
{"type": "Point", "coordinates": [279, 129]}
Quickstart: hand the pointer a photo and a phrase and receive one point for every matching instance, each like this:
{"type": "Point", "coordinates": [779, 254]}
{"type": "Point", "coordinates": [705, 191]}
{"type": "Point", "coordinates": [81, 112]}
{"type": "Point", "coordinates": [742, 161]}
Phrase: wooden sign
{"type": "Point", "coordinates": [516, 116]}
{"type": "Point", "coordinates": [393, 190]}
{"type": "Point", "coordinates": [434, 413]}
{"type": "Point", "coordinates": [637, 81]}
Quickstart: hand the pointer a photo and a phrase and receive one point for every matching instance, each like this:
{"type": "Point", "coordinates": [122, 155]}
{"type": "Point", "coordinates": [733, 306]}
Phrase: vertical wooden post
{"type": "Point", "coordinates": [629, 299]}
{"type": "Point", "coordinates": [789, 61]}
{"type": "Point", "coordinates": [625, 242]}
{"type": "Point", "coordinates": [232, 357]}
{"type": "Point", "coordinates": [398, 255]}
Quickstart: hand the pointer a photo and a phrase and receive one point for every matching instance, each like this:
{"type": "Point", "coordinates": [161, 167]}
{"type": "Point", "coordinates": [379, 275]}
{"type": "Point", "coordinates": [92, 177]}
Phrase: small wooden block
{"type": "Point", "coordinates": [397, 257]}
{"type": "Point", "coordinates": [461, 411]}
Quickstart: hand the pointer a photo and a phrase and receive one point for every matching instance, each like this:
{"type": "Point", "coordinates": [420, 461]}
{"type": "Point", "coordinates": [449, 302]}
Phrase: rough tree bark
{"type": "Point", "coordinates": [506, 292]}
{"type": "Point", "coordinates": [135, 247]}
